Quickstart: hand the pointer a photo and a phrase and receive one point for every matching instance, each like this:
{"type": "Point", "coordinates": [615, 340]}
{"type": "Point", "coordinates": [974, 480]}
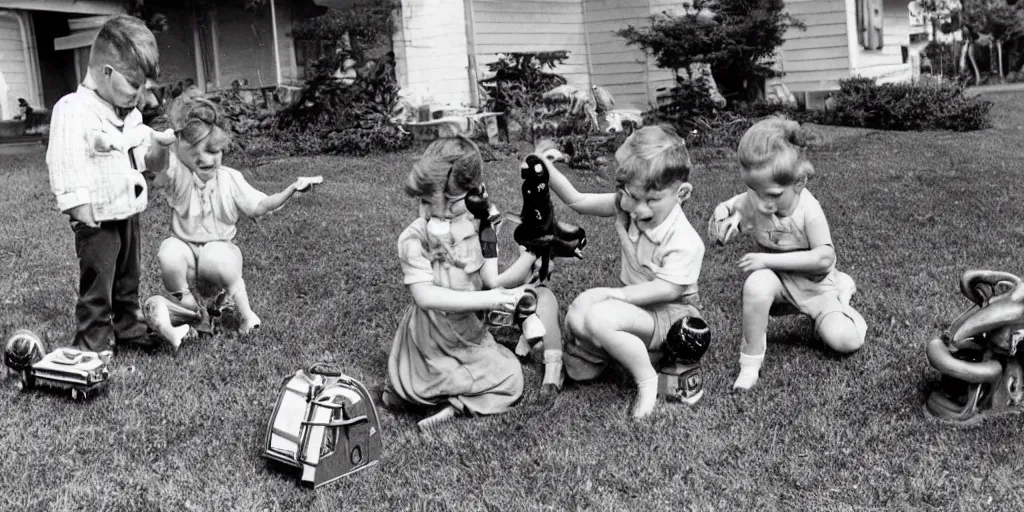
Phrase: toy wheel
{"type": "Point", "coordinates": [77, 394]}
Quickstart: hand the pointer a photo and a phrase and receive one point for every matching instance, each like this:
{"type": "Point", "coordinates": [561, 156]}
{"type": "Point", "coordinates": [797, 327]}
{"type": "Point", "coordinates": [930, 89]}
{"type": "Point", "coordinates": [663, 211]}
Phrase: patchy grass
{"type": "Point", "coordinates": [909, 212]}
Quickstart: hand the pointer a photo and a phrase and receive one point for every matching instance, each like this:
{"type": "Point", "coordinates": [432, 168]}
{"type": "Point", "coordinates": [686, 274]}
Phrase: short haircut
{"type": "Point", "coordinates": [126, 44]}
{"type": "Point", "coordinates": [655, 157]}
{"type": "Point", "coordinates": [776, 145]}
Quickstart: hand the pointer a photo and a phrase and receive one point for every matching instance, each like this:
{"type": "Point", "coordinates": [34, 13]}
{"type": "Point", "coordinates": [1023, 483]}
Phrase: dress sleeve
{"type": "Point", "coordinates": [416, 266]}
{"type": "Point", "coordinates": [247, 198]}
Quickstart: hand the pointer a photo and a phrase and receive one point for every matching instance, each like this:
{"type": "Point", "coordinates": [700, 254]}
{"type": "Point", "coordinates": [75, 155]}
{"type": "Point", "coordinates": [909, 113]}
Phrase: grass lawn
{"type": "Point", "coordinates": [909, 213]}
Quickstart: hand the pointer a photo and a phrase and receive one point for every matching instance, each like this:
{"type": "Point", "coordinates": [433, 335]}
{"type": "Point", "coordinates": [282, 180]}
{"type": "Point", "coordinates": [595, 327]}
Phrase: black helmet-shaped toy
{"type": "Point", "coordinates": [688, 339]}
{"type": "Point", "coordinates": [23, 349]}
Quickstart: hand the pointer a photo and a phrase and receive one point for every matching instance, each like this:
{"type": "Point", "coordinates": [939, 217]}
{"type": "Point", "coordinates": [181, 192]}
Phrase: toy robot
{"type": "Point", "coordinates": [81, 371]}
{"type": "Point", "coordinates": [680, 378]}
{"type": "Point", "coordinates": [324, 425]}
{"type": "Point", "coordinates": [540, 232]}
{"type": "Point", "coordinates": [978, 354]}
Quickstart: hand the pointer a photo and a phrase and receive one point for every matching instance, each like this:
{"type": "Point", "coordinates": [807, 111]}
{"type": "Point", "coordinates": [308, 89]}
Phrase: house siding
{"type": "Point", "coordinates": [531, 26]}
{"type": "Point", "coordinates": [630, 75]}
{"type": "Point", "coordinates": [885, 65]}
{"type": "Point", "coordinates": [430, 46]}
{"type": "Point", "coordinates": [245, 45]}
{"type": "Point", "coordinates": [815, 59]}
{"type": "Point", "coordinates": [13, 66]}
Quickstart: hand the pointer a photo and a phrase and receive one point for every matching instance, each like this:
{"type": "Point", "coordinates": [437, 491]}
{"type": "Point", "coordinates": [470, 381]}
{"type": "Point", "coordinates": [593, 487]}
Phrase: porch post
{"type": "Point", "coordinates": [277, 51]}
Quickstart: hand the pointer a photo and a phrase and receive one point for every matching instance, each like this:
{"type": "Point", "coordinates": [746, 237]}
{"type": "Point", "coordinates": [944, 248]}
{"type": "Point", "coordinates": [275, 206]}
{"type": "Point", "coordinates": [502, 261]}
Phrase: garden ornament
{"type": "Point", "coordinates": [81, 371]}
{"type": "Point", "coordinates": [324, 425]}
{"type": "Point", "coordinates": [605, 100]}
{"type": "Point", "coordinates": [680, 378]}
{"type": "Point", "coordinates": [540, 232]}
{"type": "Point", "coordinates": [978, 354]}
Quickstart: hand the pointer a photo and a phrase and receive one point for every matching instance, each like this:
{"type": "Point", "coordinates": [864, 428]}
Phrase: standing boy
{"type": "Point", "coordinates": [97, 150]}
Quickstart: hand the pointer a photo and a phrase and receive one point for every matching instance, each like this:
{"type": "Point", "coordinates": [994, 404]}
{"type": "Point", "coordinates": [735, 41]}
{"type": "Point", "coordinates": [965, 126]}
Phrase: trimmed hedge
{"type": "Point", "coordinates": [862, 103]}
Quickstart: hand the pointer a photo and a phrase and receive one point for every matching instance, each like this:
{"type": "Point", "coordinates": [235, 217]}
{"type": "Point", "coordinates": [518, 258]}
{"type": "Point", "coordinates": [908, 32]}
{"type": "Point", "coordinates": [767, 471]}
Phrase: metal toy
{"type": "Point", "coordinates": [324, 425]}
{"type": "Point", "coordinates": [978, 354]}
{"type": "Point", "coordinates": [81, 371]}
{"type": "Point", "coordinates": [680, 376]}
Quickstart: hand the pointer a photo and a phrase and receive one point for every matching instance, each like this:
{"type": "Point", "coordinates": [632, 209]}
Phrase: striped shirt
{"type": "Point", "coordinates": [110, 181]}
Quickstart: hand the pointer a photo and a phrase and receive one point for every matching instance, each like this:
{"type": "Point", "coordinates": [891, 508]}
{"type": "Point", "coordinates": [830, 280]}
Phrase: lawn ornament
{"type": "Point", "coordinates": [324, 425]}
{"type": "Point", "coordinates": [540, 232]}
{"type": "Point", "coordinates": [172, 322]}
{"type": "Point", "coordinates": [978, 354]}
{"type": "Point", "coordinates": [680, 377]}
{"type": "Point", "coordinates": [81, 371]}
{"type": "Point", "coordinates": [605, 100]}
{"type": "Point", "coordinates": [525, 317]}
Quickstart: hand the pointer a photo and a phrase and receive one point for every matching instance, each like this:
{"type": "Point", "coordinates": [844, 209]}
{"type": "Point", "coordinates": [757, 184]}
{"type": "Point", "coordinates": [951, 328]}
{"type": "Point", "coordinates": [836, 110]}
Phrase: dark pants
{"type": "Point", "coordinates": [108, 288]}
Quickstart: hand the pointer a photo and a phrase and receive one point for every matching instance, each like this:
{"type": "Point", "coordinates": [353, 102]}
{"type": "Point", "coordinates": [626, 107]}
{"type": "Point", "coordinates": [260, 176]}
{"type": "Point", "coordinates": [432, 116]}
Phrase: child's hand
{"type": "Point", "coordinates": [752, 261]}
{"type": "Point", "coordinates": [504, 298]}
{"type": "Point", "coordinates": [164, 138]}
{"type": "Point", "coordinates": [303, 184]}
{"type": "Point", "coordinates": [722, 225]}
{"type": "Point", "coordinates": [83, 213]}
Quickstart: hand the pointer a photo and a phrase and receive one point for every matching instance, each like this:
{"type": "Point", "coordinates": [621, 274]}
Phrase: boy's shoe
{"type": "Point", "coordinates": [138, 336]}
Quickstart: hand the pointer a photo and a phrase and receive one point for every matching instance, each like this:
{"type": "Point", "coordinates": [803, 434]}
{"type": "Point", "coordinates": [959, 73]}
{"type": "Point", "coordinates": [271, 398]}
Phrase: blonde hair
{"type": "Point", "coordinates": [194, 118]}
{"type": "Point", "coordinates": [776, 145]}
{"type": "Point", "coordinates": [126, 44]}
{"type": "Point", "coordinates": [654, 156]}
{"type": "Point", "coordinates": [452, 165]}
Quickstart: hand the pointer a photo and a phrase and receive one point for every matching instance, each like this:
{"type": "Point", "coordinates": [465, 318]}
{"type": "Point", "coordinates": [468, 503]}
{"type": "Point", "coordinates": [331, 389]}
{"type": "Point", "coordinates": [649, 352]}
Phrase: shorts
{"type": "Point", "coordinates": [814, 298]}
{"type": "Point", "coordinates": [583, 360]}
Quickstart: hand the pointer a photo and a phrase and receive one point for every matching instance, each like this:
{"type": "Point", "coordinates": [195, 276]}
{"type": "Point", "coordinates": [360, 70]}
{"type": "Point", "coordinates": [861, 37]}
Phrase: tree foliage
{"type": "Point", "coordinates": [737, 38]}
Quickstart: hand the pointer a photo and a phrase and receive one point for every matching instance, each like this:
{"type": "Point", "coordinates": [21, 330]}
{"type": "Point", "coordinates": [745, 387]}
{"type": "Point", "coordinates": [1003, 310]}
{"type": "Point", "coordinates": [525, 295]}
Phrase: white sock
{"type": "Point", "coordinates": [553, 368]}
{"type": "Point", "coordinates": [523, 347]}
{"type": "Point", "coordinates": [646, 396]}
{"type": "Point", "coordinates": [750, 367]}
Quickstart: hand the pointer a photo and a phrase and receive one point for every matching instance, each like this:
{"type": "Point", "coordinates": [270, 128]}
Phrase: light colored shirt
{"type": "Point", "coordinates": [671, 251]}
{"type": "Point", "coordinates": [781, 234]}
{"type": "Point", "coordinates": [208, 212]}
{"type": "Point", "coordinates": [110, 181]}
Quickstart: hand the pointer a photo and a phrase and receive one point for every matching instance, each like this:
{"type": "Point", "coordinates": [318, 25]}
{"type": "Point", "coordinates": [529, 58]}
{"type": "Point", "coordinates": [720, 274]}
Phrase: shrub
{"type": "Point", "coordinates": [904, 106]}
{"type": "Point", "coordinates": [944, 58]}
{"type": "Point", "coordinates": [352, 119]}
{"type": "Point", "coordinates": [518, 85]}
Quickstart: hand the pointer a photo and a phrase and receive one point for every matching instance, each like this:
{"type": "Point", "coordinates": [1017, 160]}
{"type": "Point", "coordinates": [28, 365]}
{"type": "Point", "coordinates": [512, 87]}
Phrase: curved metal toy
{"type": "Point", "coordinates": [978, 354]}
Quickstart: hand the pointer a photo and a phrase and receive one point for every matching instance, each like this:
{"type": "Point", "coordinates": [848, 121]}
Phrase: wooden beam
{"type": "Point", "coordinates": [474, 84]}
{"type": "Point", "coordinates": [68, 6]}
{"type": "Point", "coordinates": [76, 40]}
{"type": "Point", "coordinates": [277, 51]}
